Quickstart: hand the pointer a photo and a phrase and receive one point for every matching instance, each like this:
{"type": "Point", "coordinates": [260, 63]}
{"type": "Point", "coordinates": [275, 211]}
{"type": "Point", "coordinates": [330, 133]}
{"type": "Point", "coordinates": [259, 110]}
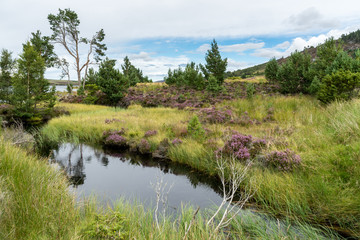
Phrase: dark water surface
{"type": "Point", "coordinates": [112, 175]}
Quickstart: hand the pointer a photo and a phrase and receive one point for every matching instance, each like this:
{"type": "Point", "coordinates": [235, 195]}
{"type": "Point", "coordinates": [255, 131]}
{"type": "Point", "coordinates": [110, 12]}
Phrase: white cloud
{"type": "Point", "coordinates": [156, 67]}
{"type": "Point", "coordinates": [242, 47]}
{"type": "Point", "coordinates": [311, 18]}
{"type": "Point", "coordinates": [138, 19]}
{"type": "Point", "coordinates": [126, 21]}
{"type": "Point", "coordinates": [283, 45]}
{"type": "Point", "coordinates": [237, 48]}
{"type": "Point", "coordinates": [235, 65]}
{"type": "Point", "coordinates": [203, 48]}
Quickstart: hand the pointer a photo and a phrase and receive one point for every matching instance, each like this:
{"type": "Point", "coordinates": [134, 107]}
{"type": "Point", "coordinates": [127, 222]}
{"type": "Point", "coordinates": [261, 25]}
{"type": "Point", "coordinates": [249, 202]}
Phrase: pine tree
{"type": "Point", "coordinates": [133, 74]}
{"type": "Point", "coordinates": [271, 70]}
{"type": "Point", "coordinates": [44, 47]}
{"type": "Point", "coordinates": [30, 88]}
{"type": "Point", "coordinates": [214, 64]}
{"type": "Point", "coordinates": [6, 68]}
{"type": "Point", "coordinates": [111, 81]}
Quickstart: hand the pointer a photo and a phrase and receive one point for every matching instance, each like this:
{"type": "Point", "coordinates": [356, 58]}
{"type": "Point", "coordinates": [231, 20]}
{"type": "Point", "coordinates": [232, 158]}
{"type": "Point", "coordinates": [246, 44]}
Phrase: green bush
{"type": "Point", "coordinates": [295, 76]}
{"type": "Point", "coordinates": [271, 70]}
{"type": "Point", "coordinates": [250, 90]}
{"type": "Point", "coordinates": [213, 85]}
{"type": "Point", "coordinates": [195, 128]}
{"type": "Point", "coordinates": [338, 86]}
{"type": "Point", "coordinates": [190, 77]}
{"type": "Point", "coordinates": [111, 225]}
{"type": "Point", "coordinates": [314, 86]}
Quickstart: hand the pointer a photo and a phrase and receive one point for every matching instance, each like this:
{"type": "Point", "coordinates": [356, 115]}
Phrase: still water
{"type": "Point", "coordinates": [110, 176]}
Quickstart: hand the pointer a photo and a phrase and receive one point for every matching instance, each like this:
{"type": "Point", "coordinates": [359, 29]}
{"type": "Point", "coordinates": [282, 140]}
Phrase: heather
{"type": "Point", "coordinates": [304, 155]}
{"type": "Point", "coordinates": [161, 94]}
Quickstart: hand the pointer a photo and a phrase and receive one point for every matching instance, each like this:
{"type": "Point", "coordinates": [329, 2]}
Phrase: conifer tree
{"type": "Point", "coordinates": [30, 88]}
{"type": "Point", "coordinates": [214, 64]}
{"type": "Point", "coordinates": [6, 68]}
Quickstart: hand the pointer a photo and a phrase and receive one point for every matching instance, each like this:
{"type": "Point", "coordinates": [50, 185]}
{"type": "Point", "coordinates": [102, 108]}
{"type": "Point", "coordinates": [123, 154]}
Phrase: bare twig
{"type": "Point", "coordinates": [230, 207]}
{"type": "Point", "coordinates": [192, 221]}
{"type": "Point", "coordinates": [162, 193]}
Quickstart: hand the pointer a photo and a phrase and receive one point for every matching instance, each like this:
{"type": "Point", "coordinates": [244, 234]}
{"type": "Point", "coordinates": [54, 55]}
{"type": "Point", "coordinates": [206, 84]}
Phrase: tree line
{"type": "Point", "coordinates": [210, 76]}
{"type": "Point", "coordinates": [332, 75]}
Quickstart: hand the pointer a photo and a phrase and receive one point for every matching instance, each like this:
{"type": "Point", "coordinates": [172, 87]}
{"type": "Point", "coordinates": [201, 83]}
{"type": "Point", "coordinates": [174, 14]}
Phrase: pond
{"type": "Point", "coordinates": [113, 175]}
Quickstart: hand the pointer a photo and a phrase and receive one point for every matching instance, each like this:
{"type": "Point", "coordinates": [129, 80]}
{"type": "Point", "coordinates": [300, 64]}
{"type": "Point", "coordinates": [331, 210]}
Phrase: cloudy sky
{"type": "Point", "coordinates": [163, 34]}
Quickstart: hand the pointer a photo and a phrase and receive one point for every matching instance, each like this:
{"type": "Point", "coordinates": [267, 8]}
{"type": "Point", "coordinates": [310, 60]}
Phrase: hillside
{"type": "Point", "coordinates": [351, 43]}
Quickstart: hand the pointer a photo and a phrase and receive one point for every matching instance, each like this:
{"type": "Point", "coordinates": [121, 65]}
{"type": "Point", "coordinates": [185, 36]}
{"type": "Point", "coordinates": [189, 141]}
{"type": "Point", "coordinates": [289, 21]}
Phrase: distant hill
{"type": "Point", "coordinates": [351, 43]}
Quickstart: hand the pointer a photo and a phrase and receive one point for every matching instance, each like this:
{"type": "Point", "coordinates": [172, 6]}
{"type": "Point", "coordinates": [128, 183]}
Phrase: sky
{"type": "Point", "coordinates": [162, 34]}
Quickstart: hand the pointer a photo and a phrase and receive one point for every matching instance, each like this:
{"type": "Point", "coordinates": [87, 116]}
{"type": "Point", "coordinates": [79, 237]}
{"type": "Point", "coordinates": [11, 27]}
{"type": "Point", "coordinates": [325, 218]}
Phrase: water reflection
{"type": "Point", "coordinates": [114, 175]}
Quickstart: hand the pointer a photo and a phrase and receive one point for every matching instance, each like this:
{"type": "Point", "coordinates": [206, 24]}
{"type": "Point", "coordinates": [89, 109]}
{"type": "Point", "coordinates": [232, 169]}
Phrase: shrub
{"type": "Point", "coordinates": [195, 128]}
{"type": "Point", "coordinates": [314, 86]}
{"type": "Point", "coordinates": [338, 86]}
{"type": "Point", "coordinates": [107, 226]}
{"type": "Point", "coordinates": [284, 161]}
{"type": "Point", "coordinates": [271, 70]}
{"type": "Point", "coordinates": [115, 138]}
{"type": "Point", "coordinates": [144, 146]}
{"type": "Point", "coordinates": [242, 147]}
{"type": "Point", "coordinates": [250, 90]}
{"type": "Point", "coordinates": [213, 115]}
{"type": "Point", "coordinates": [295, 75]}
{"type": "Point", "coordinates": [213, 85]}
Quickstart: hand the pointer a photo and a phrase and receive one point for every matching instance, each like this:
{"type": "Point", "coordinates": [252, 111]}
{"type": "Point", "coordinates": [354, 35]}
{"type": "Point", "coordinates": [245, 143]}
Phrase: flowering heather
{"type": "Point", "coordinates": [179, 97]}
{"type": "Point", "coordinates": [150, 133]}
{"type": "Point", "coordinates": [115, 139]}
{"type": "Point", "coordinates": [213, 115]}
{"type": "Point", "coordinates": [113, 132]}
{"type": "Point", "coordinates": [176, 141]}
{"type": "Point", "coordinates": [242, 147]}
{"type": "Point", "coordinates": [284, 161]}
{"type": "Point", "coordinates": [270, 115]}
{"type": "Point", "coordinates": [108, 121]}
{"type": "Point", "coordinates": [144, 146]}
{"type": "Point", "coordinates": [245, 120]}
{"type": "Point", "coordinates": [182, 97]}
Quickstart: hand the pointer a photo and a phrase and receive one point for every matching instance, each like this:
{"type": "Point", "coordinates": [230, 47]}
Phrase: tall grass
{"type": "Point", "coordinates": [34, 199]}
{"type": "Point", "coordinates": [136, 222]}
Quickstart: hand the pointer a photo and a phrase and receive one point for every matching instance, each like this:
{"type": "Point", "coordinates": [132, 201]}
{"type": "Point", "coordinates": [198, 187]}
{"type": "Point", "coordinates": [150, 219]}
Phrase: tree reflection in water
{"type": "Point", "coordinates": [71, 159]}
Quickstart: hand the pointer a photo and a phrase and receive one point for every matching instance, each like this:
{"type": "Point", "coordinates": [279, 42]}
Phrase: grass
{"type": "Point", "coordinates": [34, 199]}
{"type": "Point", "coordinates": [255, 79]}
{"type": "Point", "coordinates": [324, 191]}
{"type": "Point", "coordinates": [138, 223]}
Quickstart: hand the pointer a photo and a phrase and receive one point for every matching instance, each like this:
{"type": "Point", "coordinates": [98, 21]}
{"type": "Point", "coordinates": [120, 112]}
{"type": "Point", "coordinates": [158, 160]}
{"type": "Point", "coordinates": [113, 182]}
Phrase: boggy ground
{"type": "Point", "coordinates": [324, 189]}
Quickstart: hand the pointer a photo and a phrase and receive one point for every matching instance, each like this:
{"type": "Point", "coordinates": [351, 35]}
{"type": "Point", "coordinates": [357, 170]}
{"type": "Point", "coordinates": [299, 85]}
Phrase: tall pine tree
{"type": "Point", "coordinates": [30, 88]}
{"type": "Point", "coordinates": [214, 64]}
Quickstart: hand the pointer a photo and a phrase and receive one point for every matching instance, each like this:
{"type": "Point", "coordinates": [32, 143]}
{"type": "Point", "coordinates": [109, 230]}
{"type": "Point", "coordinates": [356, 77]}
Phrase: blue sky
{"type": "Point", "coordinates": [162, 34]}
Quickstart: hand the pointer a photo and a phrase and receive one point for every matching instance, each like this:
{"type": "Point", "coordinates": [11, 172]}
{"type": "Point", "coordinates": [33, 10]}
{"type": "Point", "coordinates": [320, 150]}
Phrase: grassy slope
{"type": "Point", "coordinates": [325, 190]}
